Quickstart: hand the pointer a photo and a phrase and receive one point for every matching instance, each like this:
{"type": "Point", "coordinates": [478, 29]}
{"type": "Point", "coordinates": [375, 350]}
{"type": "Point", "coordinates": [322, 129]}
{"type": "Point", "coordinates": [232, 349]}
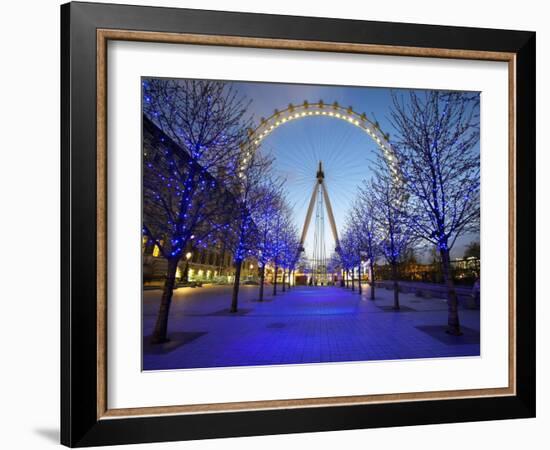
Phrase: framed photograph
{"type": "Point", "coordinates": [276, 224]}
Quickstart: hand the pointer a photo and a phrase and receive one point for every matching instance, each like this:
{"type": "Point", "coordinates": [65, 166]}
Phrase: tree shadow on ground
{"type": "Point", "coordinates": [177, 339]}
{"type": "Point", "coordinates": [227, 312]}
{"type": "Point", "coordinates": [469, 335]}
{"type": "Point", "coordinates": [402, 308]}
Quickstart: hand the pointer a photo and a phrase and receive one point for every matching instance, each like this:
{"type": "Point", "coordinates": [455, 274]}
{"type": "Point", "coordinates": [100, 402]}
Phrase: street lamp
{"type": "Point", "coordinates": [186, 270]}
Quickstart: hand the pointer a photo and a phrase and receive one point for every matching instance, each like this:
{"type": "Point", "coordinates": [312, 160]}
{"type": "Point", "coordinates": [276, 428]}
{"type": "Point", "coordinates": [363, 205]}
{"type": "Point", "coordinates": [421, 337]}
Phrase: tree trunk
{"type": "Point", "coordinates": [283, 280]}
{"type": "Point", "coordinates": [186, 272]}
{"type": "Point", "coordinates": [288, 279]}
{"type": "Point", "coordinates": [453, 324]}
{"type": "Point", "coordinates": [236, 284]}
{"type": "Point", "coordinates": [372, 281]}
{"type": "Point", "coordinates": [275, 281]}
{"type": "Point", "coordinates": [395, 286]}
{"type": "Point", "coordinates": [352, 281]}
{"type": "Point", "coordinates": [262, 278]}
{"type": "Point", "coordinates": [161, 327]}
{"type": "Point", "coordinates": [359, 288]}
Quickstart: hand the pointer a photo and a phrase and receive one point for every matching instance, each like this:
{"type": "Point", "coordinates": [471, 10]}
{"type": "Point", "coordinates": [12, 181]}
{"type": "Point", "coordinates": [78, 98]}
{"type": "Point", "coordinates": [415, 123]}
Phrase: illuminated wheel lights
{"type": "Point", "coordinates": [318, 109]}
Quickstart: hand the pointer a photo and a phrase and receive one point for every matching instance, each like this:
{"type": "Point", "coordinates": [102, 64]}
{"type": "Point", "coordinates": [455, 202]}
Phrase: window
{"type": "Point", "coordinates": [156, 251]}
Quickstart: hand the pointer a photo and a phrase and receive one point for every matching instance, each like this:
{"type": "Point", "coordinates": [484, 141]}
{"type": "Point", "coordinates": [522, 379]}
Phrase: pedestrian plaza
{"type": "Point", "coordinates": [301, 326]}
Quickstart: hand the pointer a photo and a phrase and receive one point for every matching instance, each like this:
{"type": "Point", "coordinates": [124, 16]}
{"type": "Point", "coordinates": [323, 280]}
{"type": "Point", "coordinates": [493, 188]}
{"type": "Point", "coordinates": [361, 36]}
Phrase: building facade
{"type": "Point", "coordinates": [211, 264]}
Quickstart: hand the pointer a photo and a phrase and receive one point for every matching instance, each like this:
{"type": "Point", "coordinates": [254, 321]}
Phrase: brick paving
{"type": "Point", "coordinates": [305, 325]}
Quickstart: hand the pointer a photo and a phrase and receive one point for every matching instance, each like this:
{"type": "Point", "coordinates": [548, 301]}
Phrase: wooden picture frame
{"type": "Point", "coordinates": [86, 418]}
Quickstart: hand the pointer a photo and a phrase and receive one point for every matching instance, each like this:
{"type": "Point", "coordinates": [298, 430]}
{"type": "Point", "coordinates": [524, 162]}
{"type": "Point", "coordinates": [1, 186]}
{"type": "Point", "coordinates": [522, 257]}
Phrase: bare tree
{"type": "Point", "coordinates": [363, 217]}
{"type": "Point", "coordinates": [290, 248]}
{"type": "Point", "coordinates": [472, 250]}
{"type": "Point", "coordinates": [243, 238]}
{"type": "Point", "coordinates": [281, 223]}
{"type": "Point", "coordinates": [437, 148]}
{"type": "Point", "coordinates": [389, 202]}
{"type": "Point", "coordinates": [349, 253]}
{"type": "Point", "coordinates": [264, 217]}
{"type": "Point", "coordinates": [353, 245]}
{"type": "Point", "coordinates": [201, 127]}
{"type": "Point", "coordinates": [334, 267]}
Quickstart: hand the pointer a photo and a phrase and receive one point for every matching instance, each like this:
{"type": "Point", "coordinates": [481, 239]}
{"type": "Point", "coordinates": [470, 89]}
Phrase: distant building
{"type": "Point", "coordinates": [466, 268]}
{"type": "Point", "coordinates": [464, 271]}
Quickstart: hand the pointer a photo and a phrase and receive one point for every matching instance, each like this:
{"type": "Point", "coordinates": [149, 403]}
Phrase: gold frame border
{"type": "Point", "coordinates": [103, 36]}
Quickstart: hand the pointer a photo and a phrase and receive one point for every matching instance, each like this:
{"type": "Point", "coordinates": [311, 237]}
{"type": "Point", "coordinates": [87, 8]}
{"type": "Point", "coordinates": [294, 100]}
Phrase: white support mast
{"type": "Point", "coordinates": [320, 185]}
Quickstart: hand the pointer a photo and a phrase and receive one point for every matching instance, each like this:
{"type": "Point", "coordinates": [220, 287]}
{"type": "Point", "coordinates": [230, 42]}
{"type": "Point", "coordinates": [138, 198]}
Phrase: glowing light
{"type": "Point", "coordinates": [296, 112]}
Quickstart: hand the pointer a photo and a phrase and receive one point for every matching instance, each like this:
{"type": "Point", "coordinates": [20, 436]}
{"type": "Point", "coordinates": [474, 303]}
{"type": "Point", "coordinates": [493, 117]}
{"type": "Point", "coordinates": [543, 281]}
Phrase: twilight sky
{"type": "Point", "coordinates": [345, 151]}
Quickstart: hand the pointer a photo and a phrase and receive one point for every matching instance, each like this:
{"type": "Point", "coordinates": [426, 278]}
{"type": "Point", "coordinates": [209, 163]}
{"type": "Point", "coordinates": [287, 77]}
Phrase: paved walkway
{"type": "Point", "coordinates": [305, 325]}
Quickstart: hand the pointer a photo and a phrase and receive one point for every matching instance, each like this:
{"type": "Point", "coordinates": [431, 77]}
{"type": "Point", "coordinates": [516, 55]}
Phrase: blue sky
{"type": "Point", "coordinates": [345, 151]}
